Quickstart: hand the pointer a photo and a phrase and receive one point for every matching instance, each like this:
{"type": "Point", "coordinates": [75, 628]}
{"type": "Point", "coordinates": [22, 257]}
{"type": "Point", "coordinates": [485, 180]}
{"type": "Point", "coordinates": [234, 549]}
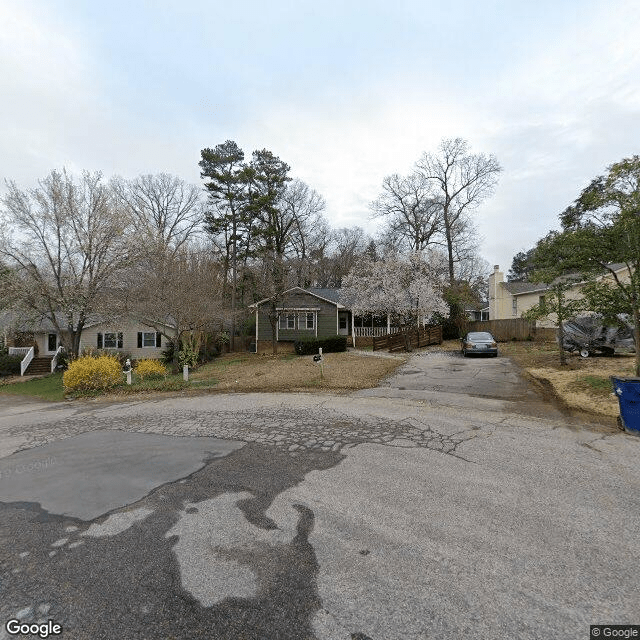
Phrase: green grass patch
{"type": "Point", "coordinates": [594, 385]}
{"type": "Point", "coordinates": [47, 388]}
{"type": "Point", "coordinates": [598, 383]}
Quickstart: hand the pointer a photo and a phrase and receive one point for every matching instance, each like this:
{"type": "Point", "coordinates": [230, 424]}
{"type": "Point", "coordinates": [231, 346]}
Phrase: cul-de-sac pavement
{"type": "Point", "coordinates": [453, 501]}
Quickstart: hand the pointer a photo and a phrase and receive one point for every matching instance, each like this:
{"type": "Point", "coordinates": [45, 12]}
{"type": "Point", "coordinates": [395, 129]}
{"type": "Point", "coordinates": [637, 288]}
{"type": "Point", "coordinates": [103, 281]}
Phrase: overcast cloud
{"type": "Point", "coordinates": [345, 92]}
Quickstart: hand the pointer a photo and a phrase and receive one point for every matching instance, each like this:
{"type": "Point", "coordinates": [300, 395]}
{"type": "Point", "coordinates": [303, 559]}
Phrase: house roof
{"type": "Point", "coordinates": [45, 325]}
{"type": "Point", "coordinates": [328, 295]}
{"type": "Point", "coordinates": [517, 288]}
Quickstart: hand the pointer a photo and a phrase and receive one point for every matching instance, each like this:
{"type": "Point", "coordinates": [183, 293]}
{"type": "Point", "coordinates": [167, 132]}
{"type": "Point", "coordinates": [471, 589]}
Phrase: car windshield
{"type": "Point", "coordinates": [479, 335]}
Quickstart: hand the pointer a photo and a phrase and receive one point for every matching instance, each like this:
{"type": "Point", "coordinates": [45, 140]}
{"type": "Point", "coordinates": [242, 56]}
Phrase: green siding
{"type": "Point", "coordinates": [326, 317]}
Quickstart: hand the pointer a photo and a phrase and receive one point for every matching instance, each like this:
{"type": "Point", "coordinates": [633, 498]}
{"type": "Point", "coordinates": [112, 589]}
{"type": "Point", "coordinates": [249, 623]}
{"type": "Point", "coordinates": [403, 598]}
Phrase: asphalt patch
{"type": "Point", "coordinates": [93, 473]}
{"type": "Point", "coordinates": [128, 585]}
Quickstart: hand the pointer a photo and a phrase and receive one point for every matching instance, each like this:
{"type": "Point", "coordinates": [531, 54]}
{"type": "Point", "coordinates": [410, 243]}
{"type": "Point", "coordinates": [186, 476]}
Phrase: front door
{"type": "Point", "coordinates": [52, 342]}
{"type": "Point", "coordinates": [343, 324]}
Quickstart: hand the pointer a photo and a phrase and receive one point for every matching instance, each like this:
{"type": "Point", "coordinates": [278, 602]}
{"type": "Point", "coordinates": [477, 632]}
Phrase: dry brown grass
{"type": "Point", "coordinates": [583, 383]}
{"type": "Point", "coordinates": [287, 372]}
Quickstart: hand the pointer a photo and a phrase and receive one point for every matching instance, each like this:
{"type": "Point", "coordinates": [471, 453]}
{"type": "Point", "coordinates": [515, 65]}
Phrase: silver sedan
{"type": "Point", "coordinates": [479, 342]}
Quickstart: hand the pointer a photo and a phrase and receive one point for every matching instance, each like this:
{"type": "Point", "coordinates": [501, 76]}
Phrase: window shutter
{"type": "Point", "coordinates": [158, 339]}
{"type": "Point", "coordinates": [99, 341]}
{"type": "Point", "coordinates": [120, 341]}
{"type": "Point", "coordinates": [139, 339]}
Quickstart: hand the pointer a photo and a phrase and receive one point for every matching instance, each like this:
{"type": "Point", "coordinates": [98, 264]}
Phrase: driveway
{"type": "Point", "coordinates": [453, 512]}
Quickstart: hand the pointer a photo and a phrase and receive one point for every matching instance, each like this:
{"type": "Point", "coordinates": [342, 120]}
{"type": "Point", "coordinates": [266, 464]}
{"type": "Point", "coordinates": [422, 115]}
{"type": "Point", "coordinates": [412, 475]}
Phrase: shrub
{"type": "Point", "coordinates": [9, 365]}
{"type": "Point", "coordinates": [331, 344]}
{"type": "Point", "coordinates": [149, 368]}
{"type": "Point", "coordinates": [120, 356]}
{"type": "Point", "coordinates": [87, 373]}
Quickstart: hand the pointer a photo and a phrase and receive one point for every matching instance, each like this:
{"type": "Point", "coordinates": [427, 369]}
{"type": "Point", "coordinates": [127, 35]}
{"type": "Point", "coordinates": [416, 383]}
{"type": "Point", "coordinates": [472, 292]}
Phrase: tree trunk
{"type": "Point", "coordinates": [447, 229]}
{"type": "Point", "coordinates": [234, 285]}
{"type": "Point", "coordinates": [273, 321]}
{"type": "Point", "coordinates": [636, 323]}
{"type": "Point", "coordinates": [563, 355]}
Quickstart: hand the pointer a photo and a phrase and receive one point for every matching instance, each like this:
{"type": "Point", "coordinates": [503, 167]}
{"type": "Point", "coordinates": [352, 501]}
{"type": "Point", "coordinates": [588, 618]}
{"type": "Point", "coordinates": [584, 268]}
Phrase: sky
{"type": "Point", "coordinates": [346, 92]}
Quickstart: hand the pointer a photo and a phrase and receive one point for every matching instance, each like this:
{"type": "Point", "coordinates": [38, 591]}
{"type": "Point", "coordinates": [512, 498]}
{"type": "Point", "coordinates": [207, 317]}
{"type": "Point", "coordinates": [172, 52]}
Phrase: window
{"type": "Point", "coordinates": [514, 306]}
{"type": "Point", "coordinates": [288, 321]}
{"type": "Point", "coordinates": [343, 322]}
{"type": "Point", "coordinates": [110, 340]}
{"type": "Point", "coordinates": [149, 339]}
{"type": "Point", "coordinates": [113, 340]}
{"type": "Point", "coordinates": [309, 320]}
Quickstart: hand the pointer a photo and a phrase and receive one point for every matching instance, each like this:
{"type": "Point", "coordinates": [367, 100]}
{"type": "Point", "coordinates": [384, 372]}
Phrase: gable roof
{"type": "Point", "coordinates": [516, 288]}
{"type": "Point", "coordinates": [328, 295]}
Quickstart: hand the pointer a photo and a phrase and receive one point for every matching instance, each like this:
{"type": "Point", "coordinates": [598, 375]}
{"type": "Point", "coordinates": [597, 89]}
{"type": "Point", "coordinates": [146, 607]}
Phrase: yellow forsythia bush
{"type": "Point", "coordinates": [92, 373]}
{"type": "Point", "coordinates": [150, 369]}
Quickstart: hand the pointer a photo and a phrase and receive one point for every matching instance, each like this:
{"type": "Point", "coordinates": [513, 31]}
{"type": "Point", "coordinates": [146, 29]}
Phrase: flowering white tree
{"type": "Point", "coordinates": [409, 288]}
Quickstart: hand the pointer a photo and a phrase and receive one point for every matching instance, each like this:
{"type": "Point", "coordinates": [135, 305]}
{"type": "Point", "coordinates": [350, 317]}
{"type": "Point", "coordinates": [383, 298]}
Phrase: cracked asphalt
{"type": "Point", "coordinates": [451, 501]}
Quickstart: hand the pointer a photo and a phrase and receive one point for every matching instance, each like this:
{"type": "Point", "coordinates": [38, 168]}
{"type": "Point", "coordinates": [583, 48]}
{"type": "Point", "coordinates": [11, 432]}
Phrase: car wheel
{"type": "Point", "coordinates": [584, 353]}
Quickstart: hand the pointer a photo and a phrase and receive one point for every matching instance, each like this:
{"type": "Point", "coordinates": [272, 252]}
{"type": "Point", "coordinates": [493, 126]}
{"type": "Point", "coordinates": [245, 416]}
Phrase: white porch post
{"type": "Point", "coordinates": [388, 323]}
{"type": "Point", "coordinates": [353, 330]}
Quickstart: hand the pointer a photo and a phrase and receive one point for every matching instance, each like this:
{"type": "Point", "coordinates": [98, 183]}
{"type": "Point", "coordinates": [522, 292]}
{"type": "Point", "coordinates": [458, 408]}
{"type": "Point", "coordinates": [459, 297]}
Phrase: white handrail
{"type": "Point", "coordinates": [18, 351]}
{"type": "Point", "coordinates": [54, 361]}
{"type": "Point", "coordinates": [26, 361]}
{"type": "Point", "coordinates": [376, 332]}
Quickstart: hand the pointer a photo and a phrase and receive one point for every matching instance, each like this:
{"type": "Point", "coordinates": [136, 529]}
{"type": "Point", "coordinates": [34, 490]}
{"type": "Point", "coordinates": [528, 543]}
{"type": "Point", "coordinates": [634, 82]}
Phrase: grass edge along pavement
{"type": "Point", "coordinates": [237, 372]}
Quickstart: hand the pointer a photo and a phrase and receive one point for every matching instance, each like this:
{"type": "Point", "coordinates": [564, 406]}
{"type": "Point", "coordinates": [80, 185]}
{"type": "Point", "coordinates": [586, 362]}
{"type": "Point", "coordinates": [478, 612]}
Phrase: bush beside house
{"type": "Point", "coordinates": [330, 344]}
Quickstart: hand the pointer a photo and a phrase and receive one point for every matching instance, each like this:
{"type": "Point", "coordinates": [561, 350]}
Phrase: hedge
{"type": "Point", "coordinates": [331, 344]}
{"type": "Point", "coordinates": [9, 365]}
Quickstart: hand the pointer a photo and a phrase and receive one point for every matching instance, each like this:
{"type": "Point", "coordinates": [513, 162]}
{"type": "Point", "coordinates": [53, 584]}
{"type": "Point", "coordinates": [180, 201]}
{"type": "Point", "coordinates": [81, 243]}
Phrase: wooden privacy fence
{"type": "Point", "coordinates": [503, 330]}
{"type": "Point", "coordinates": [415, 338]}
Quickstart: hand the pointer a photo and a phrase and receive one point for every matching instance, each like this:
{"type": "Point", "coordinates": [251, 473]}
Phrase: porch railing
{"type": "Point", "coordinates": [27, 352]}
{"type": "Point", "coordinates": [372, 332]}
{"type": "Point", "coordinates": [54, 360]}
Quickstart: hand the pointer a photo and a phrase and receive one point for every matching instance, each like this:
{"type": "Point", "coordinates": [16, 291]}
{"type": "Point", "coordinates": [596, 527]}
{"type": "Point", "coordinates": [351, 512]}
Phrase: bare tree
{"type": "Point", "coordinates": [304, 206]}
{"type": "Point", "coordinates": [461, 180]}
{"type": "Point", "coordinates": [166, 210]}
{"type": "Point", "coordinates": [347, 248]}
{"type": "Point", "coordinates": [412, 212]}
{"type": "Point", "coordinates": [182, 296]}
{"type": "Point", "coordinates": [65, 243]}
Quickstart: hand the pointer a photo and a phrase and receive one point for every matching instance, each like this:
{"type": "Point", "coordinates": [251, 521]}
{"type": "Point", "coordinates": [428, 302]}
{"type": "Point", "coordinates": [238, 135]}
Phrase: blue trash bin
{"type": "Point", "coordinates": [628, 392]}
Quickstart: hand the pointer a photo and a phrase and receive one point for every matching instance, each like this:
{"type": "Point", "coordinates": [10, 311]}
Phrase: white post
{"type": "Point", "coordinates": [129, 376]}
{"type": "Point", "coordinates": [185, 373]}
{"type": "Point", "coordinates": [388, 324]}
{"type": "Point", "coordinates": [353, 330]}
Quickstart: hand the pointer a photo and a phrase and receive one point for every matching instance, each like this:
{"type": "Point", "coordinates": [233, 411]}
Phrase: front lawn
{"type": "Point", "coordinates": [48, 388]}
{"type": "Point", "coordinates": [240, 372]}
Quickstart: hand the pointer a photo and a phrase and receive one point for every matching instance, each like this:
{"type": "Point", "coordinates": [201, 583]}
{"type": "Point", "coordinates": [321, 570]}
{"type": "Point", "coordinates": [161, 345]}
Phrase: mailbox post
{"type": "Point", "coordinates": [318, 359]}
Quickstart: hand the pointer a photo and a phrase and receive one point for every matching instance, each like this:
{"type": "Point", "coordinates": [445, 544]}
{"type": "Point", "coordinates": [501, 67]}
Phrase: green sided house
{"type": "Point", "coordinates": [302, 313]}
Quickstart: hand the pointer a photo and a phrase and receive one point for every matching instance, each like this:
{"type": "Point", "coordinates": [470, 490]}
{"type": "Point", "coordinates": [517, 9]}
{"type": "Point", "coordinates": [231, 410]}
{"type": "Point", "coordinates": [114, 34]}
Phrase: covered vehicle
{"type": "Point", "coordinates": [589, 335]}
{"type": "Point", "coordinates": [479, 342]}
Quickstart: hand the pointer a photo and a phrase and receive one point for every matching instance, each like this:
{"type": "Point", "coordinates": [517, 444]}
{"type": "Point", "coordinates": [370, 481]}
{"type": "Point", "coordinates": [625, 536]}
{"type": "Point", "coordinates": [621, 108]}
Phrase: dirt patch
{"type": "Point", "coordinates": [254, 373]}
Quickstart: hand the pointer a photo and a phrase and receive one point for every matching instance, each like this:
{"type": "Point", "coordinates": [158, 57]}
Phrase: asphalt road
{"type": "Point", "coordinates": [450, 502]}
